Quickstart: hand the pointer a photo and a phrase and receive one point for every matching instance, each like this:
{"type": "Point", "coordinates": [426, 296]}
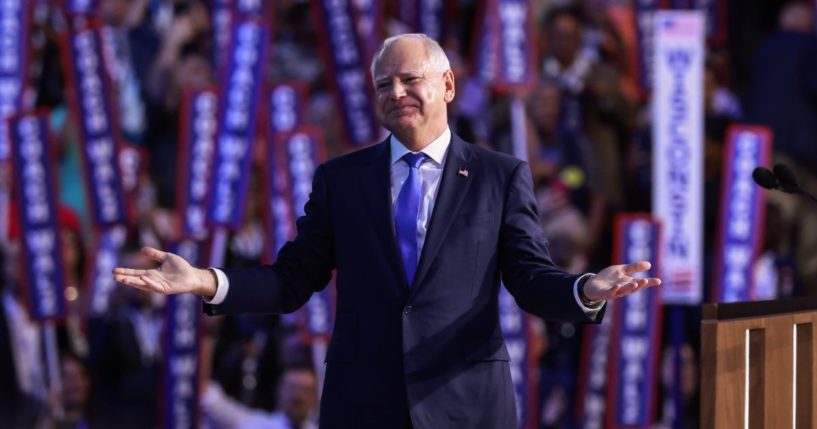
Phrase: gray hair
{"type": "Point", "coordinates": [437, 60]}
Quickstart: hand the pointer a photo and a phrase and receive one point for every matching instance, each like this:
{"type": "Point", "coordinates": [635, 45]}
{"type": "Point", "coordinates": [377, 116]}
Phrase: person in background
{"type": "Point", "coordinates": [782, 96]}
{"type": "Point", "coordinates": [76, 410]}
{"type": "Point", "coordinates": [128, 361]}
{"type": "Point", "coordinates": [297, 405]}
{"type": "Point", "coordinates": [22, 391]}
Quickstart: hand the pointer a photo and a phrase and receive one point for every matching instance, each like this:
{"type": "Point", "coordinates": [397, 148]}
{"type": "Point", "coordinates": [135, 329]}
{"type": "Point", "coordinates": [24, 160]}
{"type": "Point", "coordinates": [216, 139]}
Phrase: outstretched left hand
{"type": "Point", "coordinates": [616, 281]}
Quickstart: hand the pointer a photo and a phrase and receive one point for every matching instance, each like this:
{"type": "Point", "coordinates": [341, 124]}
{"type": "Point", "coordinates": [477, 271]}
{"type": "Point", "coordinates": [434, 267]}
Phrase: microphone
{"type": "Point", "coordinates": [765, 178]}
{"type": "Point", "coordinates": [782, 179]}
{"type": "Point", "coordinates": [788, 183]}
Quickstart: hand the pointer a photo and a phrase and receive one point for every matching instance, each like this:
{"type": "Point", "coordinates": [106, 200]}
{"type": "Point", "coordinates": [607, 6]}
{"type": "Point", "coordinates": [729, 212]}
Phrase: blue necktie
{"type": "Point", "coordinates": [406, 212]}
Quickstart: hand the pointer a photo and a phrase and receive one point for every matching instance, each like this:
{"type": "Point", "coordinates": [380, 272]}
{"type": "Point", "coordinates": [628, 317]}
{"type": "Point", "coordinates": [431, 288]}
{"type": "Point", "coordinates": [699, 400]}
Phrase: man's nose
{"type": "Point", "coordinates": [398, 91]}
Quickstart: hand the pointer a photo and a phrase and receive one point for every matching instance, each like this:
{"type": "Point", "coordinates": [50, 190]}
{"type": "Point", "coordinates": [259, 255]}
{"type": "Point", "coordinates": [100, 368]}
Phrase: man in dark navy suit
{"type": "Point", "coordinates": [420, 228]}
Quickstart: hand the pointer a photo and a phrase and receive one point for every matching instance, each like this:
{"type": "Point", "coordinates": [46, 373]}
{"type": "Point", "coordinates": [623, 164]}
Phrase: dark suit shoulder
{"type": "Point", "coordinates": [491, 160]}
{"type": "Point", "coordinates": [354, 159]}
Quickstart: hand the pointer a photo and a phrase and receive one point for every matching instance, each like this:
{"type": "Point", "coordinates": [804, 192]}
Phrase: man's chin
{"type": "Point", "coordinates": [402, 124]}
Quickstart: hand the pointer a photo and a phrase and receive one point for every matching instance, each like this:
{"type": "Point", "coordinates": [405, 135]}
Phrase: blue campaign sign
{"type": "Point", "coordinates": [91, 99]}
{"type": "Point", "coordinates": [514, 324]}
{"type": "Point", "coordinates": [198, 124]}
{"type": "Point", "coordinates": [238, 102]}
{"type": "Point", "coordinates": [15, 16]}
{"type": "Point", "coordinates": [742, 212]}
{"type": "Point", "coordinates": [35, 182]}
{"type": "Point", "coordinates": [517, 43]}
{"type": "Point", "coordinates": [293, 157]}
{"type": "Point", "coordinates": [182, 345]}
{"type": "Point", "coordinates": [637, 322]}
{"type": "Point", "coordinates": [348, 71]}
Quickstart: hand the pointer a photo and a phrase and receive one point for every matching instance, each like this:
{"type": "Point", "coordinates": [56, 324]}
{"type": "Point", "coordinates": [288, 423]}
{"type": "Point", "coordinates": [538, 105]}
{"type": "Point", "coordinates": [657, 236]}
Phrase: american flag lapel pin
{"type": "Point", "coordinates": [463, 172]}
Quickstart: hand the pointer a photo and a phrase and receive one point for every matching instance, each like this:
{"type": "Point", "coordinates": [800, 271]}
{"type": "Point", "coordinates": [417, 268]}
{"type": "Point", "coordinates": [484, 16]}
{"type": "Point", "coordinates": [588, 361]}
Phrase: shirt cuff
{"type": "Point", "coordinates": [222, 286]}
{"type": "Point", "coordinates": [590, 309]}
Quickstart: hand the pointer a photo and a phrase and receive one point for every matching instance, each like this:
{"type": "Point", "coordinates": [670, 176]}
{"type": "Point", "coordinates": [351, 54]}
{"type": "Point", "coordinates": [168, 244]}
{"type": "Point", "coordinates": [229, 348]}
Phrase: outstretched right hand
{"type": "Point", "coordinates": [173, 276]}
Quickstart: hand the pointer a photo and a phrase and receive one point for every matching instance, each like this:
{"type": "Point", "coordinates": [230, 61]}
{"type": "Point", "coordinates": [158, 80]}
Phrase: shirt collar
{"type": "Point", "coordinates": [436, 150]}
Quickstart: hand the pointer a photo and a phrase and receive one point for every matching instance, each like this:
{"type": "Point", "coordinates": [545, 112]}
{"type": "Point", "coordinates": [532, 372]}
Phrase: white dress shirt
{"type": "Point", "coordinates": [431, 172]}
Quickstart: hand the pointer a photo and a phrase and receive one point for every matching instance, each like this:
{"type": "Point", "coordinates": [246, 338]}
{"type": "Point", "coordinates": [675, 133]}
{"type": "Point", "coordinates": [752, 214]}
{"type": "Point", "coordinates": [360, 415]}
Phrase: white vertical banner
{"type": "Point", "coordinates": [677, 195]}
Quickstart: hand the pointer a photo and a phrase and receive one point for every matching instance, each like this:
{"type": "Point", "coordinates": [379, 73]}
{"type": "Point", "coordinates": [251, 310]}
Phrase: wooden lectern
{"type": "Point", "coordinates": [758, 366]}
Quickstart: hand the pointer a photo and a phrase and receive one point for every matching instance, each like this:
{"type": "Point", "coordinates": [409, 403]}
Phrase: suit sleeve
{"type": "Point", "coordinates": [303, 266]}
{"type": "Point", "coordinates": [536, 283]}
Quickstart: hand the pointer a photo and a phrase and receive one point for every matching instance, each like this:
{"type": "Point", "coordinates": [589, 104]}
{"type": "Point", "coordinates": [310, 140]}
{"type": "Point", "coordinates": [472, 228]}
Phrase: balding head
{"type": "Point", "coordinates": [413, 85]}
{"type": "Point", "coordinates": [437, 60]}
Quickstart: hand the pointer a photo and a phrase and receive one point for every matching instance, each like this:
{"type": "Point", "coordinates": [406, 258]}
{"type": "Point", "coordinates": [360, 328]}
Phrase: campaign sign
{"type": "Point", "coordinates": [284, 111]}
{"type": "Point", "coordinates": [15, 26]}
{"type": "Point", "coordinates": [133, 163]}
{"type": "Point", "coordinates": [196, 147]}
{"type": "Point", "coordinates": [741, 216]}
{"type": "Point", "coordinates": [35, 183]}
{"type": "Point", "coordinates": [92, 105]}
{"type": "Point", "coordinates": [222, 15]}
{"type": "Point", "coordinates": [369, 16]}
{"type": "Point", "coordinates": [636, 329]}
{"type": "Point", "coordinates": [487, 53]}
{"type": "Point", "coordinates": [431, 18]}
{"type": "Point", "coordinates": [677, 173]}
{"type": "Point", "coordinates": [644, 11]}
{"type": "Point", "coordinates": [593, 370]}
{"type": "Point", "coordinates": [285, 105]}
{"type": "Point", "coordinates": [105, 258]}
{"type": "Point", "coordinates": [517, 43]}
{"type": "Point", "coordinates": [716, 17]}
{"type": "Point", "coordinates": [181, 364]}
{"type": "Point", "coordinates": [717, 20]}
{"type": "Point", "coordinates": [514, 324]}
{"type": "Point", "coordinates": [253, 10]}
{"type": "Point", "coordinates": [81, 7]}
{"type": "Point", "coordinates": [294, 156]}
{"type": "Point", "coordinates": [348, 70]}
{"type": "Point", "coordinates": [235, 136]}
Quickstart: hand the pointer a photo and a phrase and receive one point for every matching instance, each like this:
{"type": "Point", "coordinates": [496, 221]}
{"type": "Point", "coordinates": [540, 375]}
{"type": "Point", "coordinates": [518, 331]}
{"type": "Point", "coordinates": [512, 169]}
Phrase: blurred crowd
{"type": "Point", "coordinates": [588, 144]}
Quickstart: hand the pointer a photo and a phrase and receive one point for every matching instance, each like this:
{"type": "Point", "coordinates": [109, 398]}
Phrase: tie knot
{"type": "Point", "coordinates": [414, 160]}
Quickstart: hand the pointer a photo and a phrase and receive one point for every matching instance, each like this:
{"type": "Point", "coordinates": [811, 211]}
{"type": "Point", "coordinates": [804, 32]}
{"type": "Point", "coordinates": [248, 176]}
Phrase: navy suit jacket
{"type": "Point", "coordinates": [432, 350]}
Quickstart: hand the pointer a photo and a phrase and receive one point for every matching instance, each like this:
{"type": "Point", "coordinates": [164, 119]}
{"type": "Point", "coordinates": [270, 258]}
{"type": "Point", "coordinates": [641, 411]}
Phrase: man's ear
{"type": "Point", "coordinates": [450, 86]}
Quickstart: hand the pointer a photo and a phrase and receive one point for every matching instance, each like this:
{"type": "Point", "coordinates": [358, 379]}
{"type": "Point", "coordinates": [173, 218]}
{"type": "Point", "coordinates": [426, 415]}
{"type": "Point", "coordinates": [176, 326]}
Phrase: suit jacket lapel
{"type": "Point", "coordinates": [453, 188]}
{"type": "Point", "coordinates": [375, 177]}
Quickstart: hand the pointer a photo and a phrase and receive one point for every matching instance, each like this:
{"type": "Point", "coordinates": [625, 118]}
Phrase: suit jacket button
{"type": "Point", "coordinates": [408, 309]}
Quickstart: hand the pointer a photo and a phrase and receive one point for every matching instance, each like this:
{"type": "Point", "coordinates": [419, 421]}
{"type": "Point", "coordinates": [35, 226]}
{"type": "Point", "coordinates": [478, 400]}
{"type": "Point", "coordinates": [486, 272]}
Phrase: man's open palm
{"type": "Point", "coordinates": [617, 281]}
{"type": "Point", "coordinates": [173, 276]}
